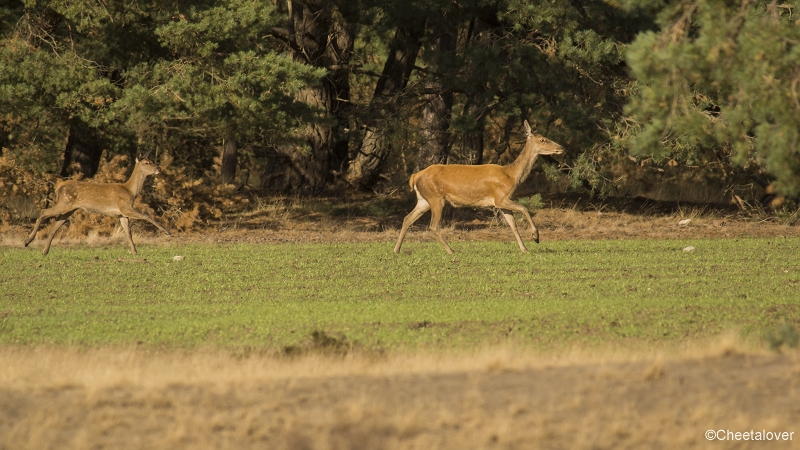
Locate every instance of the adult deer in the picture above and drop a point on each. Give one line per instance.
(110, 199)
(486, 185)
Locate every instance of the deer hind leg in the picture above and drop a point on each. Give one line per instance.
(60, 221)
(422, 207)
(46, 214)
(35, 229)
(509, 216)
(126, 225)
(436, 219)
(133, 214)
(514, 206)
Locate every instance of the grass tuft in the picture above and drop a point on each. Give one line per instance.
(320, 342)
(784, 335)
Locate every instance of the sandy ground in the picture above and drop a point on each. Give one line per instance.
(496, 398)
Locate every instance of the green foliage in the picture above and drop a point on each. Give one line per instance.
(40, 88)
(533, 203)
(718, 86)
(714, 83)
(161, 74)
(559, 64)
(362, 295)
(220, 76)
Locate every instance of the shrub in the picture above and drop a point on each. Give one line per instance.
(23, 192)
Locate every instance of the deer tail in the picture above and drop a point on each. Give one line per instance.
(412, 181)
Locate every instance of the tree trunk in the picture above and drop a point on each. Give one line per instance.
(229, 159)
(309, 163)
(367, 163)
(472, 144)
(505, 143)
(321, 34)
(476, 106)
(434, 132)
(82, 149)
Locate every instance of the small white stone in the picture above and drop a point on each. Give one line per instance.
(177, 258)
(688, 249)
(684, 222)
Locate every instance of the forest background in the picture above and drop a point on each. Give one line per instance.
(309, 98)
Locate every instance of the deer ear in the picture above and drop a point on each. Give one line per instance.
(528, 129)
(140, 156)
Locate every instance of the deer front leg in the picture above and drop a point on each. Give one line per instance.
(514, 206)
(133, 214)
(126, 226)
(436, 219)
(534, 230)
(509, 216)
(421, 208)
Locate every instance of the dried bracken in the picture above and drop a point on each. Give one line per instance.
(22, 191)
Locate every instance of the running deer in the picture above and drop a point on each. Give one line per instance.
(486, 185)
(110, 199)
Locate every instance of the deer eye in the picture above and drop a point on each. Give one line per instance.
(542, 140)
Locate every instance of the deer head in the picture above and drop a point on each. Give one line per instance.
(544, 146)
(146, 166)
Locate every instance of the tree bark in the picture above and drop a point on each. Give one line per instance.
(229, 159)
(320, 33)
(434, 130)
(81, 149)
(505, 143)
(367, 162)
(475, 105)
(472, 143)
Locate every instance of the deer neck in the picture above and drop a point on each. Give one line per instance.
(521, 167)
(136, 182)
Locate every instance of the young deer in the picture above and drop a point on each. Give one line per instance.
(486, 185)
(110, 199)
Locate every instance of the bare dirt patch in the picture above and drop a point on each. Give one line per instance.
(370, 220)
(499, 398)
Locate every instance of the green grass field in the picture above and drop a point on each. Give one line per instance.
(278, 298)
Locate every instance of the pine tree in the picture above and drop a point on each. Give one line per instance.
(316, 87)
(119, 75)
(718, 89)
(222, 80)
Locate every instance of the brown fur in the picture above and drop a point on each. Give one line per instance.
(487, 185)
(110, 199)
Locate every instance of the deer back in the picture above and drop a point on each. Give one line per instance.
(101, 198)
(461, 184)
